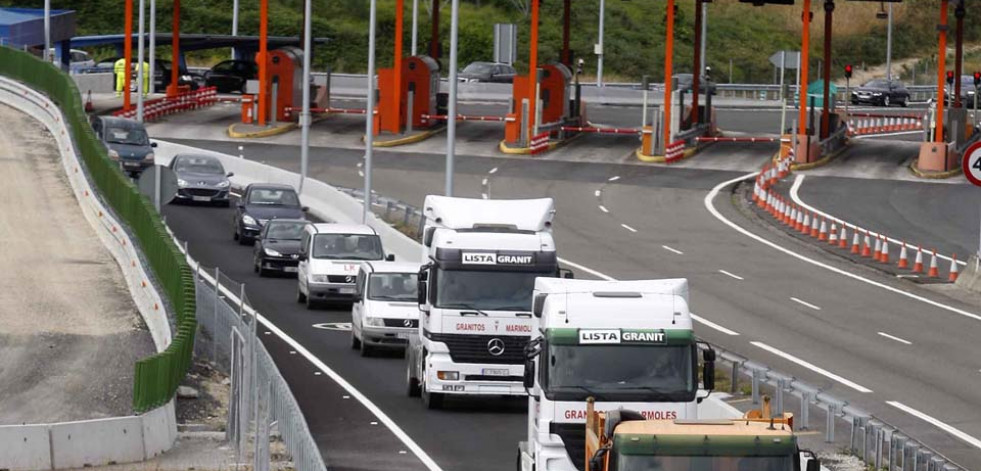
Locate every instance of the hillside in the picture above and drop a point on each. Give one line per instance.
(739, 34)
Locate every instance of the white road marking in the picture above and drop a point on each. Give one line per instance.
(669, 249)
(603, 208)
(711, 208)
(902, 133)
(598, 193)
(730, 275)
(343, 326)
(483, 195)
(713, 325)
(795, 195)
(805, 303)
(317, 373)
(614, 178)
(484, 182)
(628, 228)
(602, 276)
(493, 171)
(893, 337)
(812, 367)
(942, 426)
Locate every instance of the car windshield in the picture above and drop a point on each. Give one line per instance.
(199, 165)
(392, 287)
(285, 230)
(703, 463)
(478, 68)
(621, 372)
(485, 290)
(273, 197)
(347, 247)
(877, 84)
(131, 136)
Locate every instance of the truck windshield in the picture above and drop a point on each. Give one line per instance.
(703, 463)
(661, 373)
(485, 290)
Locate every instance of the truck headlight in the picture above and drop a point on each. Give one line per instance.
(272, 253)
(318, 278)
(448, 375)
(249, 220)
(374, 321)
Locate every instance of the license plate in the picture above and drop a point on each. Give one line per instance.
(346, 290)
(289, 269)
(402, 335)
(131, 164)
(200, 198)
(495, 372)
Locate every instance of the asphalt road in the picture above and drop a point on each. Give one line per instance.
(828, 329)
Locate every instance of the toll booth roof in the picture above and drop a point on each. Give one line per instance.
(25, 26)
(195, 42)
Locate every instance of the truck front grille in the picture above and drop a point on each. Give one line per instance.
(466, 348)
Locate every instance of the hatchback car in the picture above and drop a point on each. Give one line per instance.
(487, 72)
(231, 76)
(386, 310)
(330, 256)
(277, 249)
(201, 178)
(881, 92)
(261, 203)
(126, 142)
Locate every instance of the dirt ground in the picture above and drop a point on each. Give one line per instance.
(69, 331)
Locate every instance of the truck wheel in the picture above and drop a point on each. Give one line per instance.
(411, 384)
(365, 349)
(311, 304)
(355, 343)
(300, 297)
(433, 401)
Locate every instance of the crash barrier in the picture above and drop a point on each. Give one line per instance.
(262, 410)
(872, 440)
(736, 139)
(156, 378)
(847, 237)
(184, 101)
(674, 151)
(461, 117)
(597, 130)
(539, 143)
(883, 124)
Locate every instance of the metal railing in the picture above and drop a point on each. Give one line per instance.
(264, 423)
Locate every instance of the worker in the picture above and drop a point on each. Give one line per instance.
(146, 78)
(119, 68)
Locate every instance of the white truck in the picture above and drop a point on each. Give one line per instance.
(480, 262)
(626, 344)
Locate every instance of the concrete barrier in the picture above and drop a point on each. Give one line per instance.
(96, 83)
(25, 447)
(96, 442)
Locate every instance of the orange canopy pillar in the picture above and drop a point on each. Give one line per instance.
(533, 70)
(261, 59)
(805, 47)
(668, 62)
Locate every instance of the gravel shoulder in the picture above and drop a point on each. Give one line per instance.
(69, 330)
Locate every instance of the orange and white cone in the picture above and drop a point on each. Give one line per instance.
(786, 213)
(867, 246)
(878, 249)
(806, 226)
(918, 263)
(843, 240)
(884, 255)
(815, 229)
(823, 231)
(933, 272)
(903, 257)
(794, 218)
(953, 269)
(833, 236)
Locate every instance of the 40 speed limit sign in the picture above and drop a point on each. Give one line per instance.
(972, 163)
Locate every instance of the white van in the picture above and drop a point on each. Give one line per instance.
(386, 309)
(330, 256)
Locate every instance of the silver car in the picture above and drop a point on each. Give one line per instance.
(201, 178)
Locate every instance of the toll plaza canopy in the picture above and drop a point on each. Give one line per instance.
(24, 27)
(245, 46)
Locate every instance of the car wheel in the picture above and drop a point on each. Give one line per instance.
(411, 384)
(300, 297)
(355, 342)
(261, 271)
(886, 101)
(235, 235)
(311, 304)
(905, 102)
(432, 401)
(255, 264)
(366, 350)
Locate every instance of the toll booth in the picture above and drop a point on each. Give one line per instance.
(420, 75)
(285, 69)
(553, 91)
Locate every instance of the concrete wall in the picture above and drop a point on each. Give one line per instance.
(92, 442)
(96, 83)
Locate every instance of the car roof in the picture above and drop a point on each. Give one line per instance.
(299, 221)
(121, 122)
(334, 228)
(198, 156)
(392, 267)
(270, 186)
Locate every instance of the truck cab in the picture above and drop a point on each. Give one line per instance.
(481, 259)
(623, 344)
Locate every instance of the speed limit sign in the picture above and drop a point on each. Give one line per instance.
(972, 163)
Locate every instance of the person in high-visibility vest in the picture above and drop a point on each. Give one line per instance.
(119, 68)
(146, 78)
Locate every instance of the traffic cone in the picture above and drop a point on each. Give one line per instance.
(884, 256)
(867, 246)
(878, 249)
(786, 213)
(843, 240)
(793, 217)
(823, 231)
(933, 272)
(813, 232)
(903, 260)
(918, 263)
(804, 222)
(953, 269)
(833, 236)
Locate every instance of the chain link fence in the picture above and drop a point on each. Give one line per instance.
(265, 424)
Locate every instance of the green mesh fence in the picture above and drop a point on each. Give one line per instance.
(157, 376)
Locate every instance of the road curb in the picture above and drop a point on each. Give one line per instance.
(660, 159)
(820, 162)
(263, 133)
(527, 150)
(933, 175)
(401, 141)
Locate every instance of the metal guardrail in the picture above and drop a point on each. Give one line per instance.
(877, 443)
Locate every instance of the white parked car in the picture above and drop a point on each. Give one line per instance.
(386, 309)
(330, 256)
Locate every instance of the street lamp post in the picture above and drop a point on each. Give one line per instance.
(599, 46)
(305, 114)
(369, 135)
(451, 109)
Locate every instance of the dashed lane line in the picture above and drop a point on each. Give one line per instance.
(598, 193)
(628, 228)
(603, 208)
(731, 275)
(613, 178)
(713, 325)
(942, 426)
(669, 249)
(893, 337)
(805, 303)
(812, 367)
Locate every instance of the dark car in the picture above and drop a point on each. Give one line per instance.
(201, 178)
(161, 74)
(231, 75)
(685, 82)
(278, 246)
(126, 142)
(487, 72)
(967, 91)
(881, 92)
(260, 203)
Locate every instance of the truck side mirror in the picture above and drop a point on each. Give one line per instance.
(539, 304)
(566, 273)
(529, 378)
(708, 369)
(390, 258)
(814, 464)
(427, 239)
(421, 294)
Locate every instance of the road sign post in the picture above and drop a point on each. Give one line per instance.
(971, 163)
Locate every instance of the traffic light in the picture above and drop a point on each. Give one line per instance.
(977, 79)
(848, 71)
(950, 76)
